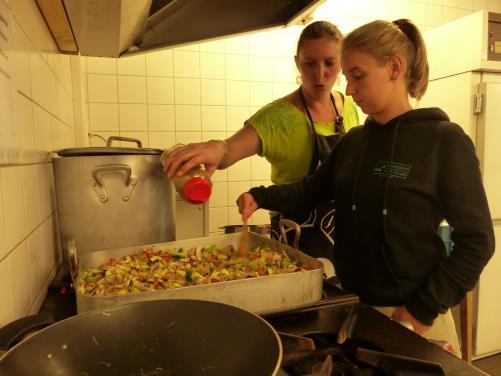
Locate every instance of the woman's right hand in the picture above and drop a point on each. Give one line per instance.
(246, 205)
(213, 154)
(183, 159)
(402, 314)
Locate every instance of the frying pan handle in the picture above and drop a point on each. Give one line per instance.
(282, 224)
(13, 332)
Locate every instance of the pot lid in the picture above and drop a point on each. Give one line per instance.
(103, 150)
(108, 149)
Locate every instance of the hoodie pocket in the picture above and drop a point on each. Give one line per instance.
(387, 269)
(363, 263)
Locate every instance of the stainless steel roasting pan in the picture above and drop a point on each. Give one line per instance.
(261, 295)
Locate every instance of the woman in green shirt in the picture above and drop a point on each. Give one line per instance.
(294, 133)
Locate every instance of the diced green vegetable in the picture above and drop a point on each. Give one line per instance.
(154, 269)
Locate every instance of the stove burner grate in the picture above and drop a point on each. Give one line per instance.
(327, 357)
(352, 358)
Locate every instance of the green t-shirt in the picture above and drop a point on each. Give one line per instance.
(286, 140)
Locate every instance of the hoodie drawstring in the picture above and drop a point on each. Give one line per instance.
(386, 179)
(359, 166)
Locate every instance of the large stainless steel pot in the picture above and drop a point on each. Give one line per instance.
(110, 197)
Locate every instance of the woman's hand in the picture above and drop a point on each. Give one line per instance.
(183, 159)
(246, 205)
(213, 154)
(402, 314)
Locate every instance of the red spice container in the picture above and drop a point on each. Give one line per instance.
(195, 186)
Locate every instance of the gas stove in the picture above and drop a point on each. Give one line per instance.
(322, 354)
(370, 344)
(342, 336)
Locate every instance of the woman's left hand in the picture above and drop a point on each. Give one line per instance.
(402, 314)
(246, 205)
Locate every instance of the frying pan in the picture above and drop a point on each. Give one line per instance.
(157, 337)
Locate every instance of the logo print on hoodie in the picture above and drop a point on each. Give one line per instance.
(391, 170)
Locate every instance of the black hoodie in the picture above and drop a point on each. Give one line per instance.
(393, 185)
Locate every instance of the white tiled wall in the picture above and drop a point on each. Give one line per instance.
(40, 118)
(206, 91)
(198, 92)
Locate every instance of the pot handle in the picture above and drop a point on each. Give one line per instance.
(120, 138)
(130, 181)
(111, 167)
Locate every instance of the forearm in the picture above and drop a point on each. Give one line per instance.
(451, 280)
(305, 194)
(283, 198)
(464, 206)
(242, 144)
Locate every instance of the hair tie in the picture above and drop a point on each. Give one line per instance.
(402, 26)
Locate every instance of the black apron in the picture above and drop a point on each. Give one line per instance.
(317, 226)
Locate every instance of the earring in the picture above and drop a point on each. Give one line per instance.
(298, 79)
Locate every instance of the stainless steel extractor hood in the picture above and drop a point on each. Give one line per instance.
(114, 28)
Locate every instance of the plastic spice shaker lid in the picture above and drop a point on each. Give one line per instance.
(197, 190)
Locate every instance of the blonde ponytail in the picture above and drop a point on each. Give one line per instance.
(384, 39)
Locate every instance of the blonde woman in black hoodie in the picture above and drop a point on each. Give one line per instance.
(394, 180)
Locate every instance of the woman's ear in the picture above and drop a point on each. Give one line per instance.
(397, 66)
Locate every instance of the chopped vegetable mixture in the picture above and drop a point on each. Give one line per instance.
(154, 269)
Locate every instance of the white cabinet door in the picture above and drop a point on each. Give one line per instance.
(191, 220)
(455, 96)
(489, 146)
(488, 328)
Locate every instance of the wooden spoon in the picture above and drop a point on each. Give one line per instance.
(244, 240)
